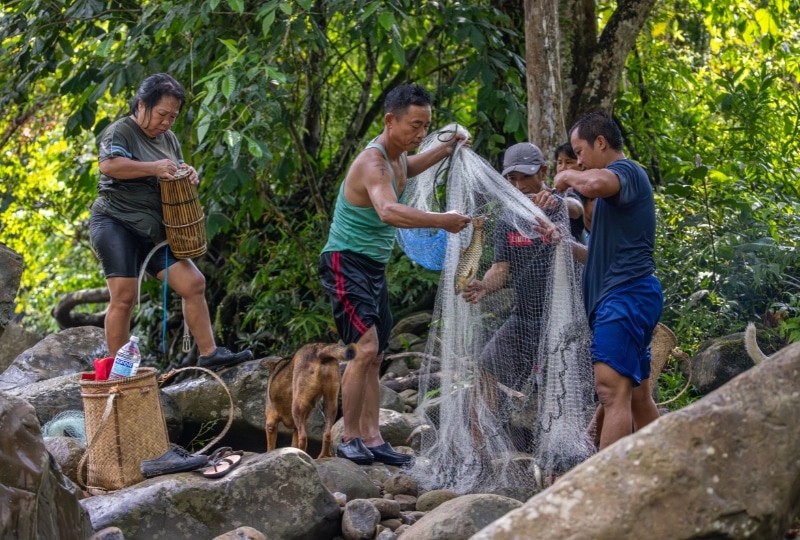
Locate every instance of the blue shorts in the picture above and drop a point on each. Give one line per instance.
(623, 328)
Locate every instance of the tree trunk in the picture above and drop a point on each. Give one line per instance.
(546, 125)
(63, 310)
(569, 71)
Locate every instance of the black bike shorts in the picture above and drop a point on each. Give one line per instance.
(122, 252)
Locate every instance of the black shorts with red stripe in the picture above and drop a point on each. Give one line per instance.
(356, 285)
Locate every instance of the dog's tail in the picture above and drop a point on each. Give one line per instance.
(338, 352)
(751, 345)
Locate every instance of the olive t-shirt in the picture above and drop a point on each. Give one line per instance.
(135, 202)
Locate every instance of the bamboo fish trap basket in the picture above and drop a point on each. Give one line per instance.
(183, 216)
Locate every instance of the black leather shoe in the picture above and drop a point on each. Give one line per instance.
(388, 456)
(355, 451)
(174, 460)
(223, 357)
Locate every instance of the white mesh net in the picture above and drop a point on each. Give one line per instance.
(66, 424)
(508, 385)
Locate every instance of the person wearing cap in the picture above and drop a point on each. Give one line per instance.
(622, 296)
(507, 357)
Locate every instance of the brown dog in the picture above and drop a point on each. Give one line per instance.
(295, 387)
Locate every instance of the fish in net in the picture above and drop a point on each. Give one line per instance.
(508, 385)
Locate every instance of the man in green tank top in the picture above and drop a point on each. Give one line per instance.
(353, 262)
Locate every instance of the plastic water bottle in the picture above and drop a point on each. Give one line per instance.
(126, 363)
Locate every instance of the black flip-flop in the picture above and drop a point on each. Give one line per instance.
(221, 462)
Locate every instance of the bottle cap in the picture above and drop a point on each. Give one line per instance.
(134, 339)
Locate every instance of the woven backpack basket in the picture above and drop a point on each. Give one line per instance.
(124, 426)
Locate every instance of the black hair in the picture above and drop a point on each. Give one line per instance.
(155, 87)
(400, 98)
(596, 124)
(565, 149)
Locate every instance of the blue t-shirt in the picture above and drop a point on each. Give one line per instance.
(623, 236)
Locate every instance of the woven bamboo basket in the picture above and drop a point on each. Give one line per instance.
(664, 342)
(183, 216)
(124, 426)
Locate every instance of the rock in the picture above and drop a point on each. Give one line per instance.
(726, 466)
(278, 493)
(109, 533)
(402, 484)
(36, 499)
(67, 352)
(387, 508)
(462, 517)
(407, 503)
(10, 276)
(15, 341)
(430, 500)
(51, 396)
(346, 477)
(416, 324)
(719, 360)
(359, 520)
(67, 452)
(386, 534)
(242, 533)
(202, 399)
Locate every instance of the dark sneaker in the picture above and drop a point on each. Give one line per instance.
(355, 451)
(174, 460)
(389, 456)
(223, 357)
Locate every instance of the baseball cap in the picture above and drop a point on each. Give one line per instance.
(523, 157)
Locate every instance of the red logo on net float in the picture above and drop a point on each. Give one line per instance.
(517, 239)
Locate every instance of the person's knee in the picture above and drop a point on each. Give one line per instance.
(611, 387)
(196, 286)
(122, 299)
(367, 350)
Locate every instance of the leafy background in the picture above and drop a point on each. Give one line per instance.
(281, 95)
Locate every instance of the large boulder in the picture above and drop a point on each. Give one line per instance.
(15, 341)
(460, 518)
(279, 494)
(36, 499)
(726, 466)
(69, 351)
(10, 276)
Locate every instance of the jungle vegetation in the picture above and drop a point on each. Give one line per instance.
(281, 95)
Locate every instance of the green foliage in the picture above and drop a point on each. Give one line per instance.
(282, 95)
(715, 121)
(672, 385)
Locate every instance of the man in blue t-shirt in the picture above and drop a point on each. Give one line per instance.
(623, 298)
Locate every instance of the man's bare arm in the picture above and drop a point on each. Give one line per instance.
(376, 178)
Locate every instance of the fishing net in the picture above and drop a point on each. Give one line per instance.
(66, 424)
(507, 387)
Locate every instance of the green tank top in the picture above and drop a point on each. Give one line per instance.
(360, 229)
